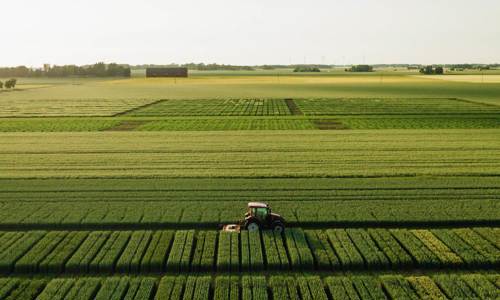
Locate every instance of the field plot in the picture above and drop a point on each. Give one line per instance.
(227, 124)
(387, 106)
(75, 107)
(82, 124)
(187, 214)
(256, 287)
(216, 107)
(145, 251)
(55, 124)
(445, 188)
(422, 122)
(109, 192)
(251, 154)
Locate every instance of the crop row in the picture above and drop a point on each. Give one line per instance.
(386, 106)
(447, 189)
(255, 287)
(215, 107)
(67, 107)
(296, 249)
(436, 122)
(171, 214)
(56, 124)
(227, 124)
(65, 124)
(256, 154)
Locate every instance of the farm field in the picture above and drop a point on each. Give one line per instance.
(429, 286)
(146, 251)
(115, 189)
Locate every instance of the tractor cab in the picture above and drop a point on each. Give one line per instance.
(259, 216)
(259, 210)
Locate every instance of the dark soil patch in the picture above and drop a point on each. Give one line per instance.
(328, 124)
(128, 125)
(292, 106)
(137, 108)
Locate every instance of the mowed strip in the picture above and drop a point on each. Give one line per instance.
(81, 252)
(251, 154)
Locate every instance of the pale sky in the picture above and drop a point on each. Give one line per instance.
(249, 32)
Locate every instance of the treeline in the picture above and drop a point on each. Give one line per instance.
(96, 70)
(461, 67)
(432, 70)
(306, 69)
(360, 68)
(198, 67)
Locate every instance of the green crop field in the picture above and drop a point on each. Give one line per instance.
(389, 183)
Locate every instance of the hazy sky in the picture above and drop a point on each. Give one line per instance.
(249, 32)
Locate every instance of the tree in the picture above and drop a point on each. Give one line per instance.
(306, 69)
(11, 83)
(1, 85)
(431, 70)
(360, 68)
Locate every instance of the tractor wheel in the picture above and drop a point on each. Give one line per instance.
(278, 227)
(253, 226)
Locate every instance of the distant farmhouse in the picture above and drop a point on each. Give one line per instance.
(166, 72)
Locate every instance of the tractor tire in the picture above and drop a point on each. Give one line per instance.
(253, 226)
(278, 227)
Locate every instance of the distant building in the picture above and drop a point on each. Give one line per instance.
(166, 72)
(46, 68)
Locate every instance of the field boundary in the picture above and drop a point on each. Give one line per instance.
(136, 108)
(127, 125)
(217, 225)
